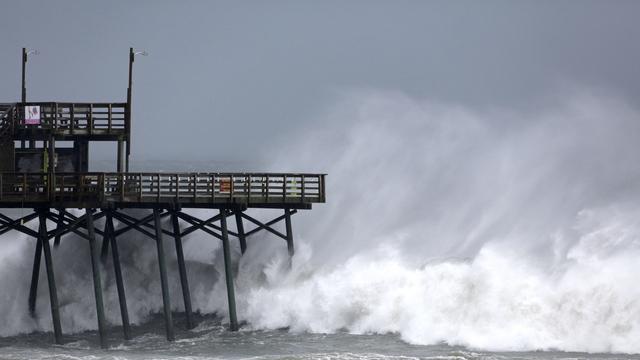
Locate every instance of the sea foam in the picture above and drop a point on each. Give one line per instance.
(498, 229)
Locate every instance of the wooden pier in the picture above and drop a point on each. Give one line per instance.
(36, 173)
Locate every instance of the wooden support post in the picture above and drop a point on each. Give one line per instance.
(120, 160)
(82, 148)
(53, 292)
(287, 219)
(106, 239)
(241, 235)
(51, 184)
(186, 295)
(35, 275)
(52, 155)
(110, 236)
(231, 296)
(59, 226)
(97, 284)
(163, 277)
(128, 156)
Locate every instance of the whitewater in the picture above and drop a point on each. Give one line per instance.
(487, 229)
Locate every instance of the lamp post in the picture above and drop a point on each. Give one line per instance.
(132, 58)
(25, 56)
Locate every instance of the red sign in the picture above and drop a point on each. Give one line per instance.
(225, 185)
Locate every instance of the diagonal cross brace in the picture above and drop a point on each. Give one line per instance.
(133, 225)
(72, 225)
(10, 225)
(266, 226)
(198, 224)
(14, 224)
(146, 223)
(208, 223)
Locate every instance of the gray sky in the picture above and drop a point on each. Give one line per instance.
(225, 80)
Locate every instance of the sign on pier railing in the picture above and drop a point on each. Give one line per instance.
(195, 188)
(32, 115)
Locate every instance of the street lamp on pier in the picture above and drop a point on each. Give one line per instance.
(132, 58)
(25, 56)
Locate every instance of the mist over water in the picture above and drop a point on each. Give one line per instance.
(495, 229)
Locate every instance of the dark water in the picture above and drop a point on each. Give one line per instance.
(211, 340)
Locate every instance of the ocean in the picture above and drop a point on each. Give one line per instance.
(211, 340)
(448, 233)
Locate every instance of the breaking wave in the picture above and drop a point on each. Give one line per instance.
(488, 228)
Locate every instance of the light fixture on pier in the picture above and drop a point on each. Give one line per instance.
(132, 58)
(25, 56)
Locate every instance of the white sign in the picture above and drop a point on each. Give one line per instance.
(32, 115)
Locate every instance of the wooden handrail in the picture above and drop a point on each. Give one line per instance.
(164, 187)
(92, 117)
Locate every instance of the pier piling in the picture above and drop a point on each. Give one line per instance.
(163, 276)
(287, 220)
(97, 283)
(111, 237)
(231, 296)
(35, 275)
(53, 292)
(59, 226)
(241, 235)
(104, 251)
(186, 295)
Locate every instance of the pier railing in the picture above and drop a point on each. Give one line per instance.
(144, 188)
(72, 118)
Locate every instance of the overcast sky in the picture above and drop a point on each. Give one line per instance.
(225, 80)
